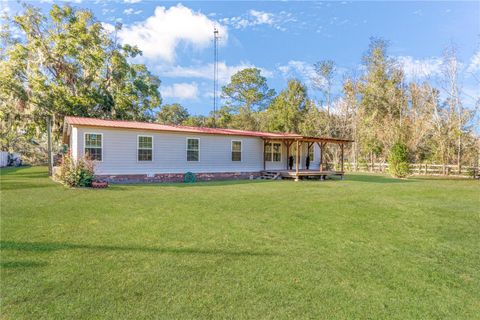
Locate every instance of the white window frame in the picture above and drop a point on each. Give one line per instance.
(271, 151)
(241, 150)
(264, 151)
(186, 149)
(138, 145)
(85, 143)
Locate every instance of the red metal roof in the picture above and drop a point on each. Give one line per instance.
(95, 122)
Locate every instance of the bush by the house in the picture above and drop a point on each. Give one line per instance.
(398, 163)
(76, 173)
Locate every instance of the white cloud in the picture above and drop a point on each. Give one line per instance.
(471, 96)
(256, 18)
(71, 1)
(108, 26)
(420, 68)
(225, 71)
(182, 91)
(474, 65)
(108, 11)
(130, 11)
(131, 1)
(418, 12)
(159, 35)
(262, 17)
(4, 8)
(298, 69)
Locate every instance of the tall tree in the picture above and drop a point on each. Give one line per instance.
(457, 117)
(68, 64)
(351, 115)
(423, 100)
(323, 80)
(173, 113)
(382, 100)
(288, 109)
(246, 94)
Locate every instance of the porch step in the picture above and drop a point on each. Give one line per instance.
(270, 175)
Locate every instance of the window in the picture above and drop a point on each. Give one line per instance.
(268, 152)
(273, 152)
(93, 146)
(311, 153)
(145, 148)
(236, 150)
(277, 152)
(193, 147)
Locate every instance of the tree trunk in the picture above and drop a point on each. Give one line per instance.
(372, 162)
(49, 138)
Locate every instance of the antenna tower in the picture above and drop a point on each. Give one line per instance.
(215, 73)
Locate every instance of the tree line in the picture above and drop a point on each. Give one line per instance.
(377, 108)
(67, 63)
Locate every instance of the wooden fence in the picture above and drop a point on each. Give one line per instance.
(416, 168)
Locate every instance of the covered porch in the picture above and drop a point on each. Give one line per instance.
(293, 166)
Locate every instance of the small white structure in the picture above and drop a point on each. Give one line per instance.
(129, 151)
(3, 159)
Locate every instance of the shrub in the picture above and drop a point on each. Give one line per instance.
(398, 161)
(78, 173)
(472, 172)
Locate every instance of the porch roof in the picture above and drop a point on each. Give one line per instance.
(122, 124)
(309, 139)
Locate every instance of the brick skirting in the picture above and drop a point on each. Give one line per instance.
(175, 177)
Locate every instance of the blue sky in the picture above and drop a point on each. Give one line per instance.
(284, 39)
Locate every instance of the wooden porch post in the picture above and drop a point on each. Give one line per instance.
(297, 159)
(321, 145)
(288, 144)
(341, 167)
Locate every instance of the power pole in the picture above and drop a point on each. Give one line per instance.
(215, 73)
(49, 137)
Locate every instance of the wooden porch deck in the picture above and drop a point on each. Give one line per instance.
(293, 174)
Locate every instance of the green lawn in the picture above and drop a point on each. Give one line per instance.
(366, 247)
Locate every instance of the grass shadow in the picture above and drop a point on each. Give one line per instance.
(21, 264)
(5, 171)
(374, 179)
(122, 186)
(56, 246)
(441, 178)
(17, 185)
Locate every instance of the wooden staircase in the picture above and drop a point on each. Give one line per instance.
(270, 175)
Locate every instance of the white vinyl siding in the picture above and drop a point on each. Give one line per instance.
(74, 143)
(169, 152)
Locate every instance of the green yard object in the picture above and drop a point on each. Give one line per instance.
(189, 177)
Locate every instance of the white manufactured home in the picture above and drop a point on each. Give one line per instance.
(130, 151)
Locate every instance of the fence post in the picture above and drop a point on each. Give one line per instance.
(49, 139)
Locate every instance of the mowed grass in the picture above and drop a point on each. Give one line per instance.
(366, 247)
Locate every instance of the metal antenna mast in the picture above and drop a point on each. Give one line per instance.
(215, 73)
